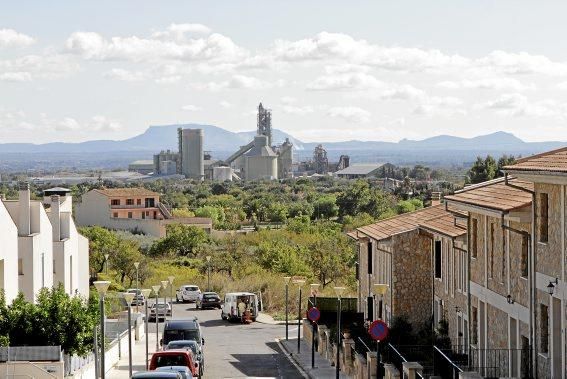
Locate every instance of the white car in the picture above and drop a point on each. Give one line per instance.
(188, 292)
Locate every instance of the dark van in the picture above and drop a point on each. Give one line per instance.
(176, 330)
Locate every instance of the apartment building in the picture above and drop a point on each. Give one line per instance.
(547, 172)
(133, 209)
(448, 272)
(8, 255)
(499, 224)
(396, 253)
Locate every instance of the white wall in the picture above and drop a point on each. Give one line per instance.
(8, 255)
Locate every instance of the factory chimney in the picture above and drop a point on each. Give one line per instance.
(192, 165)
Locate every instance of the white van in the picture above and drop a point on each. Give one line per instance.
(230, 306)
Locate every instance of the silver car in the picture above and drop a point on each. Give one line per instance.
(188, 293)
(163, 310)
(183, 370)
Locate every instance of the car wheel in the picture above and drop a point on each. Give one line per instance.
(223, 316)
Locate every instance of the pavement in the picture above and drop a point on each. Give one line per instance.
(323, 368)
(231, 350)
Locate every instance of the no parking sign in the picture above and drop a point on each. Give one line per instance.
(313, 314)
(378, 330)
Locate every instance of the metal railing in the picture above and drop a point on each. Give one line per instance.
(444, 366)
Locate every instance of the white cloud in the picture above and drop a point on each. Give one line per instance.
(239, 82)
(126, 75)
(39, 66)
(403, 92)
(11, 38)
(179, 32)
(225, 104)
(518, 105)
(351, 114)
(191, 107)
(19, 76)
(297, 110)
(501, 83)
(352, 81)
(522, 63)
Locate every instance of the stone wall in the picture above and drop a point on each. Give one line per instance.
(549, 253)
(497, 328)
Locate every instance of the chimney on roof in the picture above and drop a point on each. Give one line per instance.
(24, 227)
(55, 217)
(435, 198)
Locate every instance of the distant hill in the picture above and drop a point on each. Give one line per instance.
(441, 150)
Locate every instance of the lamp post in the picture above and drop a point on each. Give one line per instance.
(339, 291)
(209, 273)
(164, 284)
(106, 256)
(286, 279)
(102, 287)
(129, 296)
(379, 289)
(300, 283)
(156, 292)
(314, 289)
(170, 280)
(146, 292)
(137, 265)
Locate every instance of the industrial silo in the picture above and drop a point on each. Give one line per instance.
(192, 154)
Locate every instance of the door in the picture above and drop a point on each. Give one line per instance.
(556, 360)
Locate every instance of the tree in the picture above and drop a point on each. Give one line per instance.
(122, 261)
(325, 207)
(101, 241)
(505, 160)
(329, 258)
(216, 214)
(482, 170)
(354, 198)
(180, 240)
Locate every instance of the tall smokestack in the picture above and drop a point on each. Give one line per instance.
(24, 202)
(56, 217)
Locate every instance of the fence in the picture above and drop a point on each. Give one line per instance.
(30, 353)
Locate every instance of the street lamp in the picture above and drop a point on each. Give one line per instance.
(314, 289)
(137, 265)
(106, 263)
(102, 287)
(209, 273)
(164, 284)
(300, 283)
(170, 280)
(339, 291)
(286, 279)
(129, 296)
(146, 293)
(156, 292)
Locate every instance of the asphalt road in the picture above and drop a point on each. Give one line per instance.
(238, 351)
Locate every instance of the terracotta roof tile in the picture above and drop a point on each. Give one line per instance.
(495, 195)
(551, 161)
(444, 225)
(111, 192)
(405, 222)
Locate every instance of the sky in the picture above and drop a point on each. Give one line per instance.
(330, 70)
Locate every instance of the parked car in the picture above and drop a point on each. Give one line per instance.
(163, 310)
(195, 348)
(208, 300)
(157, 375)
(174, 358)
(139, 298)
(230, 306)
(187, 293)
(183, 370)
(188, 329)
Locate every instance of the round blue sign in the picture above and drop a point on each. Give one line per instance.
(313, 314)
(378, 330)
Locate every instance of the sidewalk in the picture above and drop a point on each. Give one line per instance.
(323, 368)
(264, 318)
(120, 371)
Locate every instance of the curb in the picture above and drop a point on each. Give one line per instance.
(292, 359)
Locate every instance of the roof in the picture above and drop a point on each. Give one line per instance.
(142, 162)
(495, 195)
(444, 225)
(136, 191)
(551, 161)
(405, 222)
(360, 169)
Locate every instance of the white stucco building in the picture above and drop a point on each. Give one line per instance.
(8, 255)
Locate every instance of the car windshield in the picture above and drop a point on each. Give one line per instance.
(190, 288)
(183, 345)
(211, 295)
(137, 292)
(176, 335)
(160, 305)
(171, 360)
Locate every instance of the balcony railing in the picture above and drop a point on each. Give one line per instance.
(131, 206)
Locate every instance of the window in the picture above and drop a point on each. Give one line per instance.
(138, 201)
(543, 216)
(370, 309)
(369, 259)
(54, 266)
(129, 214)
(437, 259)
(474, 326)
(474, 237)
(115, 215)
(20, 267)
(544, 329)
(524, 261)
(129, 201)
(491, 262)
(115, 202)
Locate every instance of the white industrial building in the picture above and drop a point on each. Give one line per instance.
(41, 248)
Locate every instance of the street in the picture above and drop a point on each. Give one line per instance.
(238, 351)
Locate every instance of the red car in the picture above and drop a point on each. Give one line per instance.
(175, 358)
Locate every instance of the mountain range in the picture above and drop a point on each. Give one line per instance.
(441, 150)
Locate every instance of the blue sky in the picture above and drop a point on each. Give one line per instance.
(330, 70)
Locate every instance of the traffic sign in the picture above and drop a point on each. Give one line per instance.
(313, 314)
(378, 330)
